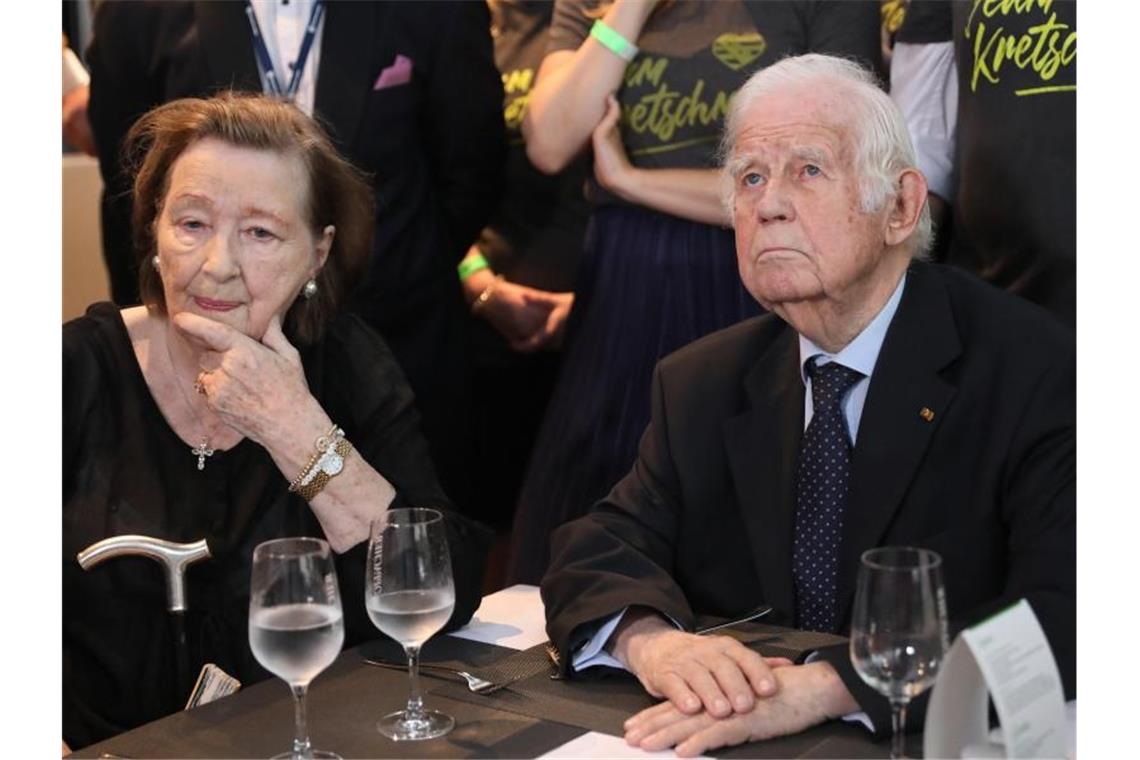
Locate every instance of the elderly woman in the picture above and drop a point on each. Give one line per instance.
(198, 415)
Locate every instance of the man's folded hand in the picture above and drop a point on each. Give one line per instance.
(715, 673)
(805, 695)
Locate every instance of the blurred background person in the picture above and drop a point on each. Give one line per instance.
(410, 95)
(659, 267)
(195, 415)
(518, 279)
(996, 136)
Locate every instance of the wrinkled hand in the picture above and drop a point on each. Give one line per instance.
(76, 128)
(717, 673)
(807, 695)
(611, 164)
(256, 388)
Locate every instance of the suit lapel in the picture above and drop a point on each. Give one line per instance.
(227, 44)
(348, 67)
(905, 404)
(762, 444)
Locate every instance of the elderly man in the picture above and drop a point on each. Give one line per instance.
(884, 401)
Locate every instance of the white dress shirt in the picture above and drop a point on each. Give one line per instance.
(283, 25)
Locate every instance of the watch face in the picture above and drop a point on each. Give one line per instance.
(332, 463)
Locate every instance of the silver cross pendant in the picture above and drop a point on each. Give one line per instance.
(202, 451)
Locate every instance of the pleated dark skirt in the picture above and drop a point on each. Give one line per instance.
(649, 284)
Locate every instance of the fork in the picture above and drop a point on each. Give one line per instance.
(474, 683)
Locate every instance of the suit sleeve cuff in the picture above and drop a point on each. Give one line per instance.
(875, 712)
(593, 651)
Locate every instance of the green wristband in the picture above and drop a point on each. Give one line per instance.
(613, 41)
(472, 264)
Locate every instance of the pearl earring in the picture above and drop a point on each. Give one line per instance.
(155, 261)
(310, 289)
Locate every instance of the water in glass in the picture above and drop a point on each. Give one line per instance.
(411, 617)
(296, 623)
(410, 595)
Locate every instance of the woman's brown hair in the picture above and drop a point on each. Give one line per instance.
(338, 193)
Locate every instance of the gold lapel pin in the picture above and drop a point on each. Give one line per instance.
(926, 414)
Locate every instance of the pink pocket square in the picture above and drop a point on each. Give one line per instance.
(400, 72)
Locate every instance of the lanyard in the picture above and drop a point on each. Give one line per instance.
(265, 63)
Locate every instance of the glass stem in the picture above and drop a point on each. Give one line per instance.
(898, 728)
(302, 749)
(415, 708)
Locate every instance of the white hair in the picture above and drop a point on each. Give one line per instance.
(881, 141)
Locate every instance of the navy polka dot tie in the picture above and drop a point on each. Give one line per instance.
(822, 475)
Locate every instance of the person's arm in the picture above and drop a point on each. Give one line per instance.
(259, 390)
(464, 119)
(528, 318)
(924, 85)
(569, 96)
(695, 194)
(76, 93)
(628, 539)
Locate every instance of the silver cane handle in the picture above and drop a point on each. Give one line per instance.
(174, 558)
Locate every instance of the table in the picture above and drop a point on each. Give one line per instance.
(346, 700)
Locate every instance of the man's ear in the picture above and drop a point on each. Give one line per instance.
(906, 209)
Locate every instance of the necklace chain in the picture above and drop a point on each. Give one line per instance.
(202, 450)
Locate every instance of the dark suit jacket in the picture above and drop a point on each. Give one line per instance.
(703, 523)
(434, 147)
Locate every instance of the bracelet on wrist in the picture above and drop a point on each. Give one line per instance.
(612, 40)
(472, 264)
(480, 302)
(326, 463)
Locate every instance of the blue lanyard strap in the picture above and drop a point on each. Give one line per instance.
(265, 62)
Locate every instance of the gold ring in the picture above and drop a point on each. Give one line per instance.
(198, 387)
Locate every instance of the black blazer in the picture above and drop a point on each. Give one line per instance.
(703, 523)
(435, 147)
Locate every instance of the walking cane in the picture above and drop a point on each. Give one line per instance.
(174, 558)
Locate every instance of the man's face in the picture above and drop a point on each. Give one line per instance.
(801, 236)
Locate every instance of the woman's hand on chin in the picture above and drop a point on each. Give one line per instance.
(257, 388)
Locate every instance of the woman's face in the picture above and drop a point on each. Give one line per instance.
(232, 237)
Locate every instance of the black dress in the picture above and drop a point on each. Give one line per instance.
(125, 471)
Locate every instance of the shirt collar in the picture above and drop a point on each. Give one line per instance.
(861, 353)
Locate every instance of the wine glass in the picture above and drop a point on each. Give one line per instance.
(898, 627)
(410, 594)
(296, 626)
